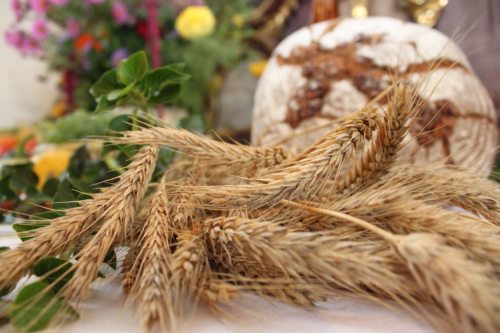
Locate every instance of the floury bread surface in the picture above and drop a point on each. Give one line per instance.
(334, 68)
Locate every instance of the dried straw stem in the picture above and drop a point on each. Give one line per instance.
(116, 225)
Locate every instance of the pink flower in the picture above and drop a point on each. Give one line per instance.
(22, 42)
(31, 46)
(14, 38)
(120, 13)
(40, 29)
(73, 27)
(58, 2)
(17, 8)
(39, 6)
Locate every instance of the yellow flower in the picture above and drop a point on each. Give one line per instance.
(195, 22)
(58, 109)
(51, 164)
(258, 67)
(238, 21)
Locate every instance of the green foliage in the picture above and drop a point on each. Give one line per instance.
(54, 271)
(134, 84)
(75, 126)
(36, 306)
(134, 68)
(65, 195)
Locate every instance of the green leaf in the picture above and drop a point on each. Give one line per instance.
(50, 187)
(65, 197)
(103, 104)
(78, 162)
(47, 215)
(176, 66)
(22, 177)
(120, 123)
(36, 306)
(54, 271)
(163, 76)
(5, 190)
(194, 122)
(119, 93)
(165, 95)
(24, 230)
(133, 68)
(106, 84)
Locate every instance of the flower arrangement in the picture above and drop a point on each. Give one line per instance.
(81, 39)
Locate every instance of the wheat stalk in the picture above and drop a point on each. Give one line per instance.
(117, 221)
(307, 258)
(393, 208)
(152, 264)
(62, 232)
(299, 178)
(208, 150)
(460, 286)
(439, 184)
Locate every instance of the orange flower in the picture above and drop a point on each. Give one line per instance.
(87, 41)
(84, 42)
(258, 67)
(7, 143)
(58, 109)
(51, 164)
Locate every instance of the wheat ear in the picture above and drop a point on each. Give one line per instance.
(118, 218)
(440, 184)
(301, 177)
(190, 274)
(460, 286)
(317, 259)
(152, 264)
(382, 151)
(393, 208)
(208, 150)
(62, 232)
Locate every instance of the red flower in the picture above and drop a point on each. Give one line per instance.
(142, 29)
(6, 205)
(30, 146)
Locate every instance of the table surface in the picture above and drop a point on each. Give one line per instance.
(107, 312)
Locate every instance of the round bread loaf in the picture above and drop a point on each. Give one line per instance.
(333, 68)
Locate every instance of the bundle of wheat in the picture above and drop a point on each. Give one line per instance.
(340, 219)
